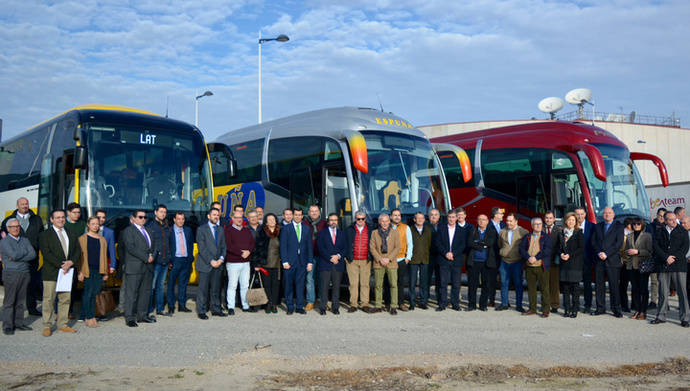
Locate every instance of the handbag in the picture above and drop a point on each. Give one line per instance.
(646, 265)
(256, 296)
(105, 303)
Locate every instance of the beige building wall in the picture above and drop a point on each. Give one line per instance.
(671, 144)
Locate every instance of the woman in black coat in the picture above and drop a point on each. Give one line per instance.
(571, 251)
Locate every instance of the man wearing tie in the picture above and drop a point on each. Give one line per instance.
(332, 247)
(212, 248)
(451, 244)
(296, 252)
(607, 240)
(139, 249)
(181, 244)
(587, 227)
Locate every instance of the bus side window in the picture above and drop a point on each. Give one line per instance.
(289, 161)
(248, 157)
(452, 169)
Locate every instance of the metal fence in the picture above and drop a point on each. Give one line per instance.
(632, 118)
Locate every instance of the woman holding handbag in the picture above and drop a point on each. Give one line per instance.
(571, 251)
(267, 254)
(93, 268)
(638, 247)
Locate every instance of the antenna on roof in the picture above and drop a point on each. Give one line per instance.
(379, 98)
(551, 105)
(167, 103)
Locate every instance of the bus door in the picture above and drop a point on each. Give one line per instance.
(336, 193)
(531, 195)
(301, 188)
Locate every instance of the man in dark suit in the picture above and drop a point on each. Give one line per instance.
(140, 246)
(587, 227)
(212, 248)
(496, 223)
(553, 232)
(481, 261)
(60, 252)
(31, 226)
(296, 252)
(450, 244)
(181, 244)
(607, 240)
(332, 246)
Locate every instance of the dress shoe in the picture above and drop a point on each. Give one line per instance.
(492, 304)
(635, 315)
(161, 313)
(301, 311)
(529, 313)
(8, 331)
(171, 310)
(598, 312)
(657, 321)
(482, 308)
(393, 311)
(424, 306)
(322, 312)
(290, 312)
(642, 316)
(203, 316)
(47, 332)
(374, 310)
(67, 329)
(440, 308)
(132, 323)
(220, 314)
(250, 309)
(267, 310)
(471, 308)
(520, 310)
(566, 314)
(309, 307)
(23, 328)
(625, 309)
(403, 308)
(685, 324)
(573, 314)
(586, 309)
(545, 314)
(183, 309)
(148, 319)
(351, 310)
(411, 308)
(652, 305)
(501, 307)
(231, 312)
(35, 312)
(554, 310)
(618, 314)
(336, 311)
(456, 307)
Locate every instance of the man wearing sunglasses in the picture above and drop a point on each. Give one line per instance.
(358, 264)
(140, 246)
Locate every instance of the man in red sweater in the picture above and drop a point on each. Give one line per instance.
(240, 245)
(358, 262)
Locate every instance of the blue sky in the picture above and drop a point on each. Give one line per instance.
(431, 61)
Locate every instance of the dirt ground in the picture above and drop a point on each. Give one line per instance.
(263, 370)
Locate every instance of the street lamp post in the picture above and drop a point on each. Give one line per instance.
(280, 38)
(196, 106)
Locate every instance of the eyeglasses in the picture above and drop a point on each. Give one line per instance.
(12, 226)
(141, 217)
(361, 218)
(637, 223)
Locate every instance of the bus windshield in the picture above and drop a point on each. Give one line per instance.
(132, 167)
(623, 189)
(402, 174)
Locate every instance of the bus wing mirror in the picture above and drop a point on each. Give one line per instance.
(358, 150)
(594, 156)
(227, 157)
(80, 157)
(634, 156)
(460, 154)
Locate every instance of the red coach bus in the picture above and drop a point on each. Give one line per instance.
(531, 168)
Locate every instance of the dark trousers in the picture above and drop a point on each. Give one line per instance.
(209, 290)
(403, 268)
(434, 277)
(419, 273)
(326, 278)
(613, 273)
(295, 278)
(179, 275)
(272, 286)
(587, 280)
(640, 291)
(571, 296)
(34, 292)
(450, 273)
(627, 277)
(488, 279)
(554, 286)
(224, 286)
(92, 287)
(16, 284)
(137, 293)
(537, 277)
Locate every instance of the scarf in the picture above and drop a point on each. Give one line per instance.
(384, 239)
(567, 232)
(274, 233)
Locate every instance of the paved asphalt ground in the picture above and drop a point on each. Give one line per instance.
(184, 340)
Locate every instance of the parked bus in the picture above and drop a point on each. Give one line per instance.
(107, 157)
(342, 159)
(558, 166)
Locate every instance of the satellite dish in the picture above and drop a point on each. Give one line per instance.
(550, 105)
(579, 96)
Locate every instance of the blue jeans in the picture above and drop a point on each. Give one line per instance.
(92, 287)
(180, 273)
(158, 291)
(419, 272)
(511, 272)
(311, 289)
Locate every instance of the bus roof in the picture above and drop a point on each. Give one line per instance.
(536, 135)
(329, 122)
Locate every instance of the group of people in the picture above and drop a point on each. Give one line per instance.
(293, 255)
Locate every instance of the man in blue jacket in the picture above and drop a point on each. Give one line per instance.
(181, 243)
(535, 250)
(296, 252)
(333, 248)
